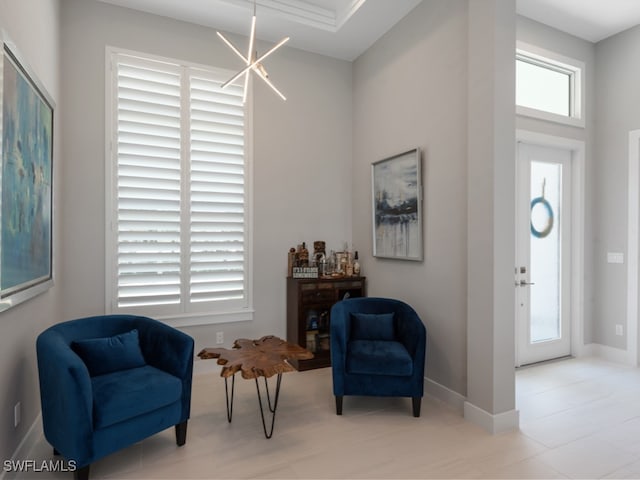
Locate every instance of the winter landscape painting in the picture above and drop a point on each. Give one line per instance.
(397, 209)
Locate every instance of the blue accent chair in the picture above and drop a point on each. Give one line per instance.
(109, 381)
(378, 348)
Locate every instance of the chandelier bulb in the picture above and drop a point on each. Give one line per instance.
(262, 70)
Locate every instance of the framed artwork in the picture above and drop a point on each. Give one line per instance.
(26, 185)
(397, 206)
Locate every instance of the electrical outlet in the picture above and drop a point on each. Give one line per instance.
(615, 257)
(219, 338)
(16, 414)
(619, 329)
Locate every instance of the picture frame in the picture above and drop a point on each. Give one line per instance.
(396, 184)
(26, 185)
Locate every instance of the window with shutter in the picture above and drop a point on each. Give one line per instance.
(178, 245)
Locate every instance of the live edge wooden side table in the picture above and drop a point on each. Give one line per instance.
(265, 357)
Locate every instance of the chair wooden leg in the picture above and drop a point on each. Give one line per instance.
(417, 401)
(181, 433)
(81, 473)
(339, 404)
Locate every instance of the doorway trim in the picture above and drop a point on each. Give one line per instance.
(633, 238)
(577, 148)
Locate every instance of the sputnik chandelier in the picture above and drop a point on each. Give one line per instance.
(252, 61)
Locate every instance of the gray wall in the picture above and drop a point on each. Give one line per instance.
(301, 168)
(617, 112)
(33, 25)
(420, 86)
(311, 171)
(410, 90)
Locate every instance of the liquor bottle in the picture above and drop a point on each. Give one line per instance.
(356, 265)
(304, 255)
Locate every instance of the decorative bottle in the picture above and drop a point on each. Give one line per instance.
(348, 268)
(356, 265)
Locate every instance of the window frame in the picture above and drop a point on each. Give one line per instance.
(575, 69)
(174, 316)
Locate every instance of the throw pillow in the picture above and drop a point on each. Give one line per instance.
(110, 354)
(372, 326)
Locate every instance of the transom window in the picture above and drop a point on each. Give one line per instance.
(549, 87)
(178, 245)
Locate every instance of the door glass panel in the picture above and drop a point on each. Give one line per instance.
(545, 258)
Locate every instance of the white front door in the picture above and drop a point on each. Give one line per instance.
(543, 270)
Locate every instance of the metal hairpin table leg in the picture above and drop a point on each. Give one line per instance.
(257, 358)
(226, 391)
(272, 408)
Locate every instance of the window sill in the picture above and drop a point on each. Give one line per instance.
(211, 318)
(550, 117)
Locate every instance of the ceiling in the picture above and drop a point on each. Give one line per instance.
(346, 28)
(591, 20)
(336, 28)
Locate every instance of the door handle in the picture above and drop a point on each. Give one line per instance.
(524, 283)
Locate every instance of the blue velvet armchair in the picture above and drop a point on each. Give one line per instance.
(107, 382)
(378, 348)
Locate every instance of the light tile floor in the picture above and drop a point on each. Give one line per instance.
(578, 419)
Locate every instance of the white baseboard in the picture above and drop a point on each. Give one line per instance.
(492, 423)
(26, 446)
(611, 354)
(444, 394)
(498, 423)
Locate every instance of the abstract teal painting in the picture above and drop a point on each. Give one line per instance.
(26, 183)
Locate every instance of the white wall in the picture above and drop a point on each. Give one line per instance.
(33, 26)
(542, 36)
(302, 170)
(548, 38)
(617, 110)
(612, 100)
(491, 215)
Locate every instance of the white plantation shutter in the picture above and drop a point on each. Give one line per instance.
(148, 184)
(178, 199)
(217, 192)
